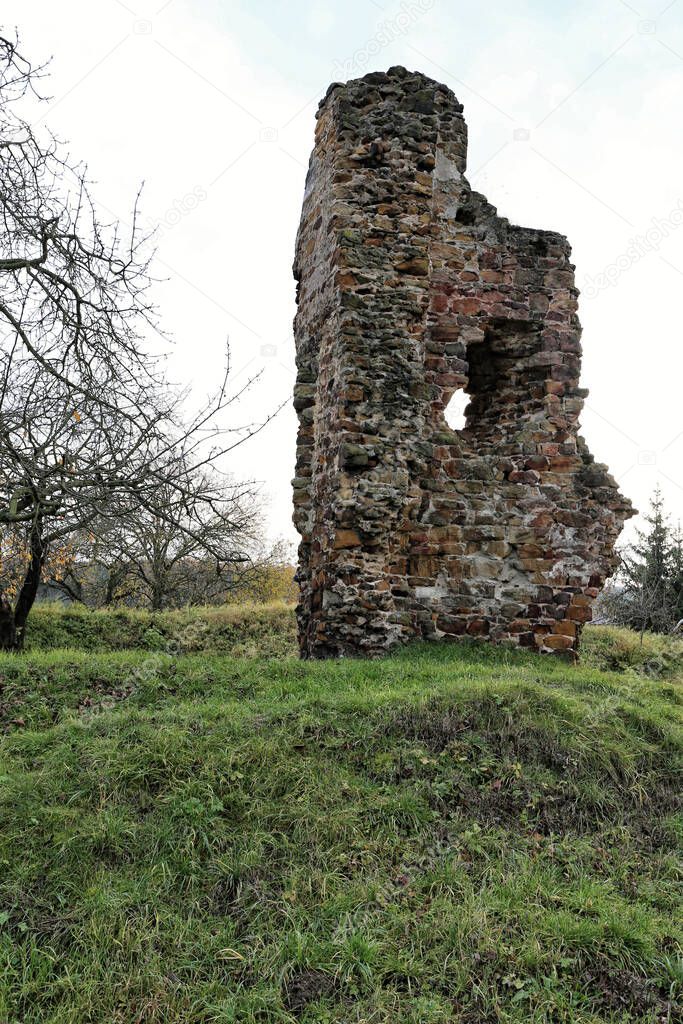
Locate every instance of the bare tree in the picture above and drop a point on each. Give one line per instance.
(184, 550)
(68, 464)
(89, 429)
(183, 545)
(95, 571)
(73, 290)
(153, 563)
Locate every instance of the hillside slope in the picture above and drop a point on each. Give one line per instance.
(452, 834)
(269, 630)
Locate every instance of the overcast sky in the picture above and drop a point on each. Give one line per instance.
(574, 114)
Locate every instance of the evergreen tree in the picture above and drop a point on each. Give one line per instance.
(676, 575)
(649, 590)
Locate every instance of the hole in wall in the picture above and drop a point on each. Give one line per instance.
(455, 410)
(504, 386)
(502, 379)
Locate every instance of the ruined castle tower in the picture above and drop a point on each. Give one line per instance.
(411, 287)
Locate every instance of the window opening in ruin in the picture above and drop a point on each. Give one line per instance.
(455, 410)
(503, 382)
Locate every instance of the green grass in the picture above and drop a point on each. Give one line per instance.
(649, 654)
(453, 834)
(269, 630)
(245, 630)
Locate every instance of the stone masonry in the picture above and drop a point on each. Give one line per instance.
(410, 287)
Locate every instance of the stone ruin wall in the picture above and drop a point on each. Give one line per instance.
(410, 287)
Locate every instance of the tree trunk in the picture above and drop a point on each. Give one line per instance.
(109, 592)
(159, 583)
(29, 589)
(8, 631)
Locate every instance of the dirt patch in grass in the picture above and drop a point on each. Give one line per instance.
(105, 696)
(476, 760)
(619, 991)
(305, 987)
(437, 725)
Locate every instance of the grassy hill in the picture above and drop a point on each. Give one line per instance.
(269, 630)
(451, 834)
(263, 630)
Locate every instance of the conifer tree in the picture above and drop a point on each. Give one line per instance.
(648, 594)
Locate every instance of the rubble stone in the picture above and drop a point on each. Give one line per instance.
(410, 288)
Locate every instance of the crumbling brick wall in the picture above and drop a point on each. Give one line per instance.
(410, 287)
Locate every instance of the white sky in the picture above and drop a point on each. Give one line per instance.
(574, 113)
